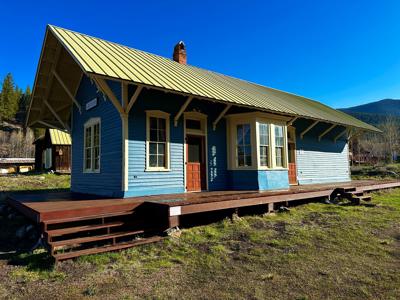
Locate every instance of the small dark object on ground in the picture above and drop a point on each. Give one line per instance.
(284, 209)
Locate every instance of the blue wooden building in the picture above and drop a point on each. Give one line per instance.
(142, 124)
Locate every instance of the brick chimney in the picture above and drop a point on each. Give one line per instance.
(180, 53)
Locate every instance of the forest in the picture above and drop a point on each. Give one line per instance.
(15, 140)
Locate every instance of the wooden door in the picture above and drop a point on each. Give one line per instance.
(292, 163)
(195, 164)
(62, 158)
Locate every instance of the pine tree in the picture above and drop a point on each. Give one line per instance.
(9, 98)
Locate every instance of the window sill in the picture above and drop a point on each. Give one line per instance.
(91, 171)
(157, 170)
(273, 169)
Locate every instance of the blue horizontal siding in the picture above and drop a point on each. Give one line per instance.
(273, 179)
(108, 181)
(321, 161)
(140, 181)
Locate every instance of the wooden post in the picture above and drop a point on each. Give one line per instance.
(173, 221)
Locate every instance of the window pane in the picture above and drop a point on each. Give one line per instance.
(248, 160)
(88, 154)
(88, 137)
(160, 161)
(152, 148)
(279, 136)
(161, 135)
(241, 161)
(153, 123)
(96, 138)
(264, 134)
(161, 123)
(279, 156)
(152, 160)
(240, 134)
(240, 150)
(161, 149)
(246, 132)
(153, 135)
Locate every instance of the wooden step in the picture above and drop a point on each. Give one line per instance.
(125, 245)
(357, 193)
(347, 189)
(70, 230)
(364, 198)
(92, 217)
(94, 238)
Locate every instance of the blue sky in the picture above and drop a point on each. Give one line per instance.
(342, 53)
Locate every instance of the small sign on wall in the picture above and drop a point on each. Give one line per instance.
(91, 104)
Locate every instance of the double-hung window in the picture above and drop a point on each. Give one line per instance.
(279, 146)
(157, 141)
(263, 131)
(92, 146)
(243, 145)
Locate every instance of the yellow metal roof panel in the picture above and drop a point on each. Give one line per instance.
(100, 57)
(59, 137)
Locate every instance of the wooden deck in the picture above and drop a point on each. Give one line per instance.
(41, 207)
(70, 219)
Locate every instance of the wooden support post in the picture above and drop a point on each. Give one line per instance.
(173, 221)
(270, 207)
(221, 115)
(181, 111)
(308, 129)
(325, 132)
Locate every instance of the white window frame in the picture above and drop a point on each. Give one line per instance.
(161, 115)
(254, 119)
(91, 123)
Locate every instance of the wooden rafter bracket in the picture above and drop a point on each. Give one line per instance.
(290, 123)
(325, 132)
(308, 129)
(106, 90)
(70, 95)
(341, 134)
(57, 116)
(181, 111)
(221, 115)
(134, 98)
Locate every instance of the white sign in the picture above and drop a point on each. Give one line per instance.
(92, 103)
(174, 211)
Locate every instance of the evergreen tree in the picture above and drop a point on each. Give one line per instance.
(9, 98)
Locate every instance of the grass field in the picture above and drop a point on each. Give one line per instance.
(315, 251)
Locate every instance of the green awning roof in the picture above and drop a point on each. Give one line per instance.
(100, 57)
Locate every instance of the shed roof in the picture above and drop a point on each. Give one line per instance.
(59, 137)
(99, 57)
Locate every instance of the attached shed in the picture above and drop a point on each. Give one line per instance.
(53, 151)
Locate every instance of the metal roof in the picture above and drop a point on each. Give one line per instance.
(59, 137)
(100, 57)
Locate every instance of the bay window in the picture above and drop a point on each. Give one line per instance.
(257, 141)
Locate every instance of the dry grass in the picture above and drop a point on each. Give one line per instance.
(315, 251)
